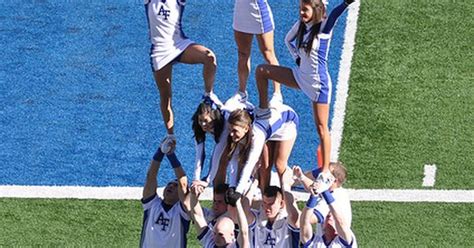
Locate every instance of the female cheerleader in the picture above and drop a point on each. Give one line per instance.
(311, 34)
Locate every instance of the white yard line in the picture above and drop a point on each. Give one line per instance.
(343, 80)
(430, 175)
(134, 193)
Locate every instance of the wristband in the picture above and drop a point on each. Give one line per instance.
(158, 155)
(173, 160)
(312, 201)
(328, 197)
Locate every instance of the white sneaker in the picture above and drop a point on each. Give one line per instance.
(277, 100)
(324, 182)
(212, 98)
(168, 145)
(262, 114)
(240, 96)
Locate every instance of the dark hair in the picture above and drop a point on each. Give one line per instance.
(272, 191)
(221, 188)
(239, 117)
(308, 45)
(217, 120)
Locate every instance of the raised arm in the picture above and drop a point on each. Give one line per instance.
(306, 228)
(342, 227)
(290, 203)
(151, 182)
(180, 175)
(290, 38)
(334, 15)
(196, 214)
(244, 238)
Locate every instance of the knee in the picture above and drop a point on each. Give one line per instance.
(210, 59)
(261, 71)
(244, 54)
(269, 55)
(323, 130)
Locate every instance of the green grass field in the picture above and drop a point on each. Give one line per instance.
(99, 223)
(411, 95)
(410, 103)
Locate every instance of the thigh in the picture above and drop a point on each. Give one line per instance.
(281, 74)
(282, 150)
(195, 54)
(243, 41)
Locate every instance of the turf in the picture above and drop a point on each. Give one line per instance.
(66, 222)
(411, 95)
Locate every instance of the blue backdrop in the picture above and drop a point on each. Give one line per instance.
(78, 104)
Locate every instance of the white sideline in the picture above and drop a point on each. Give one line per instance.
(134, 193)
(343, 79)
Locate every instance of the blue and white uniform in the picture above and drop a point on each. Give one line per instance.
(318, 241)
(253, 17)
(276, 235)
(229, 106)
(282, 125)
(166, 34)
(161, 227)
(312, 74)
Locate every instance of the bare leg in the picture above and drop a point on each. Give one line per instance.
(321, 117)
(163, 82)
(265, 169)
(244, 46)
(265, 43)
(281, 155)
(277, 73)
(198, 54)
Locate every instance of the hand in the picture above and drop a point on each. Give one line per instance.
(297, 173)
(168, 145)
(323, 182)
(298, 61)
(232, 196)
(198, 186)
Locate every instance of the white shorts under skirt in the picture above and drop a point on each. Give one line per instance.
(312, 88)
(253, 17)
(287, 131)
(160, 58)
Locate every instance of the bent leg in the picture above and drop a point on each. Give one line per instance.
(266, 45)
(163, 82)
(321, 117)
(198, 54)
(244, 46)
(281, 74)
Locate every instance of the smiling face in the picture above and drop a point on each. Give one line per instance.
(237, 132)
(206, 122)
(312, 10)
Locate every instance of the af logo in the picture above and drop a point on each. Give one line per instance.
(164, 12)
(164, 222)
(270, 241)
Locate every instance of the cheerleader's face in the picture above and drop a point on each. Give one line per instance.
(237, 132)
(309, 13)
(206, 122)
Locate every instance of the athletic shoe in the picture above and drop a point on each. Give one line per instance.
(323, 182)
(240, 97)
(262, 114)
(168, 144)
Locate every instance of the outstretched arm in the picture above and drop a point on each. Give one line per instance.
(196, 214)
(334, 15)
(258, 141)
(243, 238)
(342, 227)
(180, 175)
(291, 207)
(151, 182)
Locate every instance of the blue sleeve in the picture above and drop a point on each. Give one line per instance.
(333, 16)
